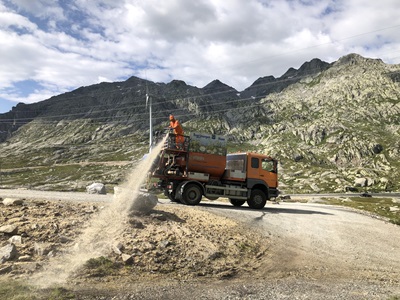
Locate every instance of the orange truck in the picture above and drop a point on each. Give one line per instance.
(201, 167)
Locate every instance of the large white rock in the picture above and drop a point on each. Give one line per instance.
(96, 188)
(12, 201)
(362, 182)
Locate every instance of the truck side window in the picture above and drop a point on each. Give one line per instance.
(267, 165)
(254, 163)
(235, 165)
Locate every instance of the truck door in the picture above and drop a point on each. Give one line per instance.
(268, 171)
(264, 169)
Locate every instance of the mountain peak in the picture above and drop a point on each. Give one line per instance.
(216, 84)
(311, 67)
(354, 58)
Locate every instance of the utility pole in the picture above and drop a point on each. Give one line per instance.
(148, 102)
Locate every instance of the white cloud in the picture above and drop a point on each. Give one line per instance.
(80, 42)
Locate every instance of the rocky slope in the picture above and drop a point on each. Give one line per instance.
(331, 126)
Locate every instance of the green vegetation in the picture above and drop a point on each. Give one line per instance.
(377, 206)
(69, 177)
(100, 266)
(241, 147)
(60, 293)
(16, 290)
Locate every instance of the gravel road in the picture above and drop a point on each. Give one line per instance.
(319, 241)
(317, 252)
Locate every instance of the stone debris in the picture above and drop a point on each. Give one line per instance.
(126, 258)
(8, 252)
(24, 258)
(42, 249)
(117, 248)
(15, 239)
(9, 229)
(179, 241)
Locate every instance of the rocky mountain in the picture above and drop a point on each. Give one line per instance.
(331, 126)
(269, 84)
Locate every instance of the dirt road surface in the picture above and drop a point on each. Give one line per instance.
(317, 241)
(315, 251)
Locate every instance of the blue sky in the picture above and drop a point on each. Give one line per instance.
(49, 47)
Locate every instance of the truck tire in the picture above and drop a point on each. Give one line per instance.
(257, 200)
(237, 202)
(192, 194)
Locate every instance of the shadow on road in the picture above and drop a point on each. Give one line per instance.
(266, 210)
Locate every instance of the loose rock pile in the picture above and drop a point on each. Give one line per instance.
(170, 240)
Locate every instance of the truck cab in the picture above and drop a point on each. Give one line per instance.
(252, 166)
(255, 171)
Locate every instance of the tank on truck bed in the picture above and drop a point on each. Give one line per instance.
(201, 155)
(201, 167)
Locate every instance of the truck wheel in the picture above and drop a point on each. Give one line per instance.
(191, 194)
(237, 202)
(257, 200)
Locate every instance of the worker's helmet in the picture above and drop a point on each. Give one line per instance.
(171, 117)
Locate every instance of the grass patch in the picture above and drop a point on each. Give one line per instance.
(72, 177)
(377, 206)
(14, 290)
(60, 294)
(101, 266)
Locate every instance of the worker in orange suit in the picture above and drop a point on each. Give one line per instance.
(176, 126)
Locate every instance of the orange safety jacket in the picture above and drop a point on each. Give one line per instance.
(176, 126)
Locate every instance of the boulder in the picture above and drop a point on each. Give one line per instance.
(42, 249)
(127, 259)
(117, 248)
(141, 201)
(25, 258)
(15, 239)
(315, 187)
(96, 188)
(12, 201)
(144, 202)
(9, 229)
(362, 182)
(7, 252)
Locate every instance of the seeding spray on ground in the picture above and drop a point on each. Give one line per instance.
(97, 238)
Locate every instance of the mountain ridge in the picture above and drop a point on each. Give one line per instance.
(331, 125)
(215, 91)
